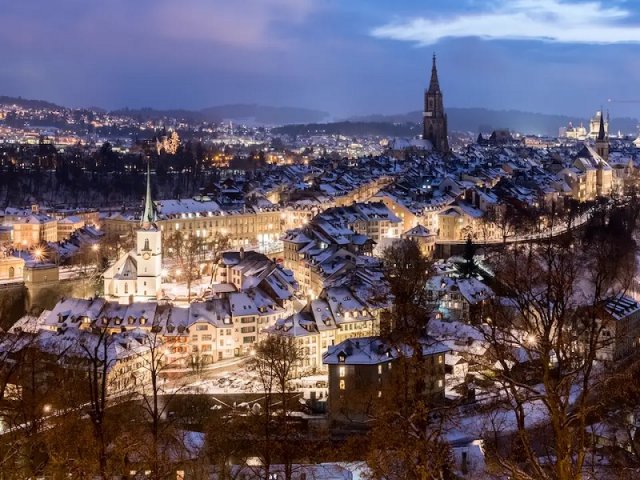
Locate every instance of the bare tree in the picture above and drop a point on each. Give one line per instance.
(545, 334)
(216, 244)
(115, 244)
(405, 438)
(227, 442)
(274, 361)
(22, 406)
(406, 271)
(157, 393)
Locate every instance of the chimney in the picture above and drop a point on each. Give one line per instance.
(241, 253)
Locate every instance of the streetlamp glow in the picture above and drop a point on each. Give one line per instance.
(38, 254)
(531, 339)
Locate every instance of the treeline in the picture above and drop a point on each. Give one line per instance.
(105, 177)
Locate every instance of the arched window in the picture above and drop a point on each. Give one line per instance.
(146, 244)
(126, 288)
(12, 272)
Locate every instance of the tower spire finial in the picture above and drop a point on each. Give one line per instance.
(434, 84)
(149, 215)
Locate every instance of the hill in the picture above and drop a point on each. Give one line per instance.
(27, 103)
(485, 120)
(246, 113)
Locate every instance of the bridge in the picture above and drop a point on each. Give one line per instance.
(445, 248)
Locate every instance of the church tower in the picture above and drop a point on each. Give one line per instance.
(148, 249)
(434, 117)
(602, 141)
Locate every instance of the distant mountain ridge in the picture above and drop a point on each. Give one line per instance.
(247, 113)
(485, 120)
(250, 113)
(29, 103)
(474, 120)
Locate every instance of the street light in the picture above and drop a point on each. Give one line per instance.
(531, 340)
(38, 254)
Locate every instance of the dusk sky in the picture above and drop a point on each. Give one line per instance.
(345, 57)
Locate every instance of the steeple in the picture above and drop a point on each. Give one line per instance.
(149, 215)
(434, 85)
(601, 132)
(602, 140)
(434, 126)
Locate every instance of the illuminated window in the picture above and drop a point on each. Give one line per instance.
(342, 371)
(440, 359)
(440, 383)
(342, 385)
(379, 369)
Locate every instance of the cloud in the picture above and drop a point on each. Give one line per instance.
(125, 26)
(545, 20)
(252, 24)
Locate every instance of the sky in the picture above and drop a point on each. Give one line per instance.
(345, 57)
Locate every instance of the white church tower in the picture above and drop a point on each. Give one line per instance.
(148, 250)
(137, 276)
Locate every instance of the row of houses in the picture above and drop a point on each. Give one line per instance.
(337, 241)
(26, 228)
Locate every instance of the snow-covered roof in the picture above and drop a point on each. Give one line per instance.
(186, 206)
(374, 351)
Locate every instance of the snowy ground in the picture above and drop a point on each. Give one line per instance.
(244, 380)
(179, 290)
(241, 380)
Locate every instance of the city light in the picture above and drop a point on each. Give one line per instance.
(289, 272)
(531, 340)
(38, 254)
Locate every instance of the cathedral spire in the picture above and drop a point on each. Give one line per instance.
(149, 215)
(601, 133)
(434, 123)
(434, 85)
(602, 140)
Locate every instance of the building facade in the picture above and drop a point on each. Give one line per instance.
(361, 373)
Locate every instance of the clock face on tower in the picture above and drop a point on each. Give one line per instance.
(146, 255)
